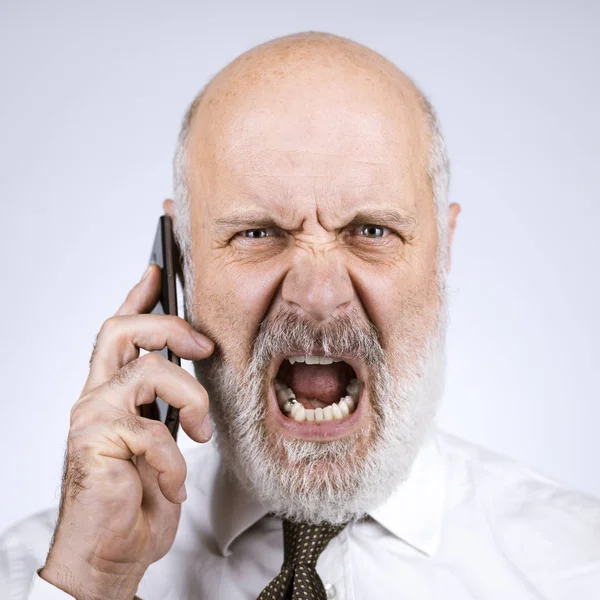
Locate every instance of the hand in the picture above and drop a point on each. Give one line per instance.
(124, 474)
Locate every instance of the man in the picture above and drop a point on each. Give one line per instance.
(311, 212)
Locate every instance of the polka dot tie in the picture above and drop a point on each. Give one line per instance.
(298, 578)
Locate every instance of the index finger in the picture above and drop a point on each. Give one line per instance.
(143, 297)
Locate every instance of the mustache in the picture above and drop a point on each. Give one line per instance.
(288, 333)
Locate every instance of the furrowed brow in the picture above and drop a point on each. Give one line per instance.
(257, 219)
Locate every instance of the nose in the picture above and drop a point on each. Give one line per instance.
(318, 284)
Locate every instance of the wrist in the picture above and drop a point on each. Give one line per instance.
(86, 581)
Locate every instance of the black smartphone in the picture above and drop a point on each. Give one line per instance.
(166, 255)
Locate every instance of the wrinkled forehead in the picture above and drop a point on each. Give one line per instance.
(316, 131)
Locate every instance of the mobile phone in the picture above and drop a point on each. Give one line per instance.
(165, 254)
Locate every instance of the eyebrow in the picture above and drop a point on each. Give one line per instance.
(248, 219)
(257, 219)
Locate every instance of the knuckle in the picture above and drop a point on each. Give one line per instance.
(181, 468)
(176, 321)
(109, 327)
(161, 433)
(163, 443)
(173, 320)
(80, 445)
(152, 360)
(203, 395)
(79, 417)
(132, 370)
(108, 330)
(200, 399)
(132, 423)
(74, 411)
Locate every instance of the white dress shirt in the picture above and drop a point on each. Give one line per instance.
(467, 524)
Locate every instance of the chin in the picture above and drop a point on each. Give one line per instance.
(304, 459)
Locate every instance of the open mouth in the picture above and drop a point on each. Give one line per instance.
(317, 388)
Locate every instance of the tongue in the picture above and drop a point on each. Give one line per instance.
(323, 382)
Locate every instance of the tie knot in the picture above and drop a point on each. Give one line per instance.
(303, 543)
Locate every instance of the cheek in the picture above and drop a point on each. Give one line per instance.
(401, 300)
(230, 304)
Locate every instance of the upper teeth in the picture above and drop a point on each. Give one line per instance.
(313, 360)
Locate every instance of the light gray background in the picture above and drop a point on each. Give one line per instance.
(92, 97)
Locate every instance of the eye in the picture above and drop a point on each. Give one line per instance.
(371, 231)
(259, 233)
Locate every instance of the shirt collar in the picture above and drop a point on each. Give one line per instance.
(413, 512)
(234, 510)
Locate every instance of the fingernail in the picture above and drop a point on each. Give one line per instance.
(206, 428)
(202, 340)
(182, 493)
(146, 273)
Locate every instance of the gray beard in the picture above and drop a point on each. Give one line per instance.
(340, 480)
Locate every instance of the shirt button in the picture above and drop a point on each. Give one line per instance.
(330, 590)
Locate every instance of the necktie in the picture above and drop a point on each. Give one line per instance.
(298, 578)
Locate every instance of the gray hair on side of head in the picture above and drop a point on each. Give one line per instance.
(438, 170)
(182, 228)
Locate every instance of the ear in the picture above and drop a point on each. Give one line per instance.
(169, 208)
(453, 211)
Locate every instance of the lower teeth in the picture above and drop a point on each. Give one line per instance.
(334, 412)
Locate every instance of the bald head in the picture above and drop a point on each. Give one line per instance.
(308, 94)
(311, 62)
